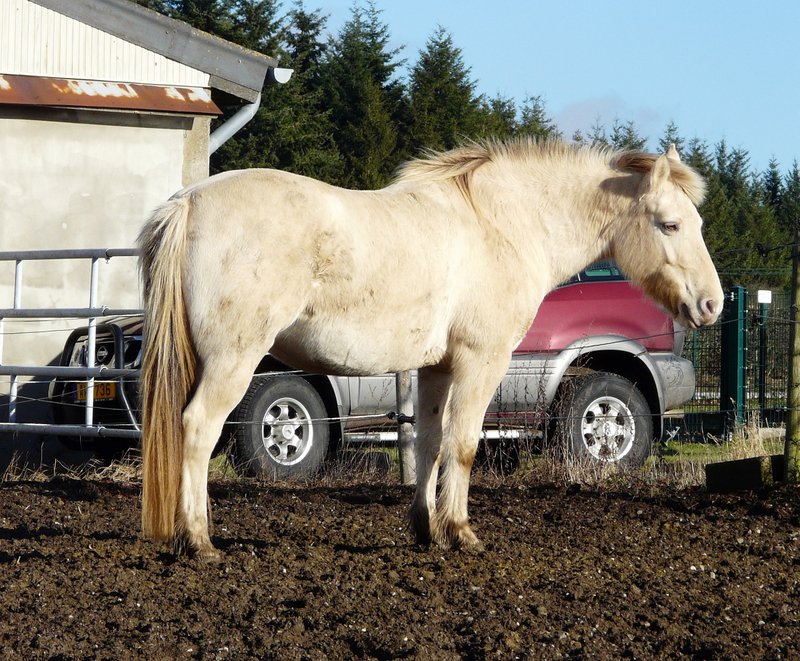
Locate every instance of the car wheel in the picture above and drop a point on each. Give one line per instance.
(604, 418)
(281, 429)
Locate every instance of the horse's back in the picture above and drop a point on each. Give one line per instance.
(364, 276)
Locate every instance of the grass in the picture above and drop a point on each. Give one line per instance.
(683, 463)
(678, 463)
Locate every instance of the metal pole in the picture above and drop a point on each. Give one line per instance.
(734, 358)
(762, 359)
(405, 428)
(13, 383)
(92, 343)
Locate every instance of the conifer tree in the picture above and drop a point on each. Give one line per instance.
(671, 136)
(535, 122)
(213, 16)
(625, 136)
(442, 105)
(773, 184)
(256, 25)
(497, 117)
(364, 99)
(597, 135)
(789, 212)
(292, 129)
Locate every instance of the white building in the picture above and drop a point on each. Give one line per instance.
(105, 110)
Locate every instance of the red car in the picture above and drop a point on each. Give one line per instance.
(598, 368)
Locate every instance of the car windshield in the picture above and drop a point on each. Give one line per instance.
(597, 272)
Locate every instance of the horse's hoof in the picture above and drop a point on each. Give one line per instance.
(205, 552)
(419, 523)
(210, 556)
(468, 541)
(457, 536)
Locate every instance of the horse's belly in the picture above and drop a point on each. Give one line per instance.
(339, 347)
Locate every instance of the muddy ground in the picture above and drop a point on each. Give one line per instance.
(332, 573)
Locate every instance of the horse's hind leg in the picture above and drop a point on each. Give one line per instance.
(433, 388)
(220, 388)
(475, 380)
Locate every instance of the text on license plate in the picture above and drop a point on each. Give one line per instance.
(102, 390)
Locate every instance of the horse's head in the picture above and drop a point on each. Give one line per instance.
(662, 247)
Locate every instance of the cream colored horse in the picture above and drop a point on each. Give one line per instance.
(443, 270)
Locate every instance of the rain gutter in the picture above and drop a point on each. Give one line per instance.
(237, 122)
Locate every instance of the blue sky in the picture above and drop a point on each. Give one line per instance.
(719, 70)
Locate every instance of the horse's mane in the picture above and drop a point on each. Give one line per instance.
(460, 163)
(682, 175)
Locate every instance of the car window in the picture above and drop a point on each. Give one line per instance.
(598, 272)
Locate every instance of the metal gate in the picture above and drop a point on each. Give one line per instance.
(91, 314)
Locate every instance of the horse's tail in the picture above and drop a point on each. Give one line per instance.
(168, 367)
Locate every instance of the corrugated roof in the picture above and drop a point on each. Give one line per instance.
(233, 69)
(72, 93)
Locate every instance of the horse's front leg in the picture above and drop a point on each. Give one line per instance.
(475, 380)
(433, 388)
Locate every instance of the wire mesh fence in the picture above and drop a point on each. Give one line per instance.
(759, 333)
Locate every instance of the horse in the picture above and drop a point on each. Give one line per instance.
(441, 271)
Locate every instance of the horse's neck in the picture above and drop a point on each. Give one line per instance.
(569, 213)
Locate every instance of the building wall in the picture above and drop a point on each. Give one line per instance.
(82, 185)
(72, 178)
(40, 42)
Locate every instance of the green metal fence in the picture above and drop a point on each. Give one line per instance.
(741, 364)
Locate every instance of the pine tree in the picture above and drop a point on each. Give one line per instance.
(597, 136)
(213, 16)
(773, 184)
(292, 129)
(256, 25)
(671, 137)
(309, 147)
(579, 139)
(698, 156)
(161, 6)
(625, 136)
(497, 117)
(789, 211)
(535, 122)
(304, 45)
(442, 104)
(364, 99)
(715, 210)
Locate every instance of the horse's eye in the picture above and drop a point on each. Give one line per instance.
(669, 228)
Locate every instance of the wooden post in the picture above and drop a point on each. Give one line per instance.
(792, 445)
(405, 428)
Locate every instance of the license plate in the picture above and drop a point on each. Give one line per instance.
(102, 391)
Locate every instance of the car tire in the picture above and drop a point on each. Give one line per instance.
(604, 418)
(281, 431)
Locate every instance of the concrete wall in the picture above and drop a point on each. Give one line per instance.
(67, 181)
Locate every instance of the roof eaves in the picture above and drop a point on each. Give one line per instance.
(232, 68)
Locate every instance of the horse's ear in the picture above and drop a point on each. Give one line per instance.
(660, 172)
(672, 152)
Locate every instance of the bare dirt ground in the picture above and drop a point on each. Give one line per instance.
(331, 572)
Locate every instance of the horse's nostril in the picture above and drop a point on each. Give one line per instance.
(709, 307)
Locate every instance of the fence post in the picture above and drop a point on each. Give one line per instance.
(762, 357)
(791, 450)
(405, 428)
(734, 357)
